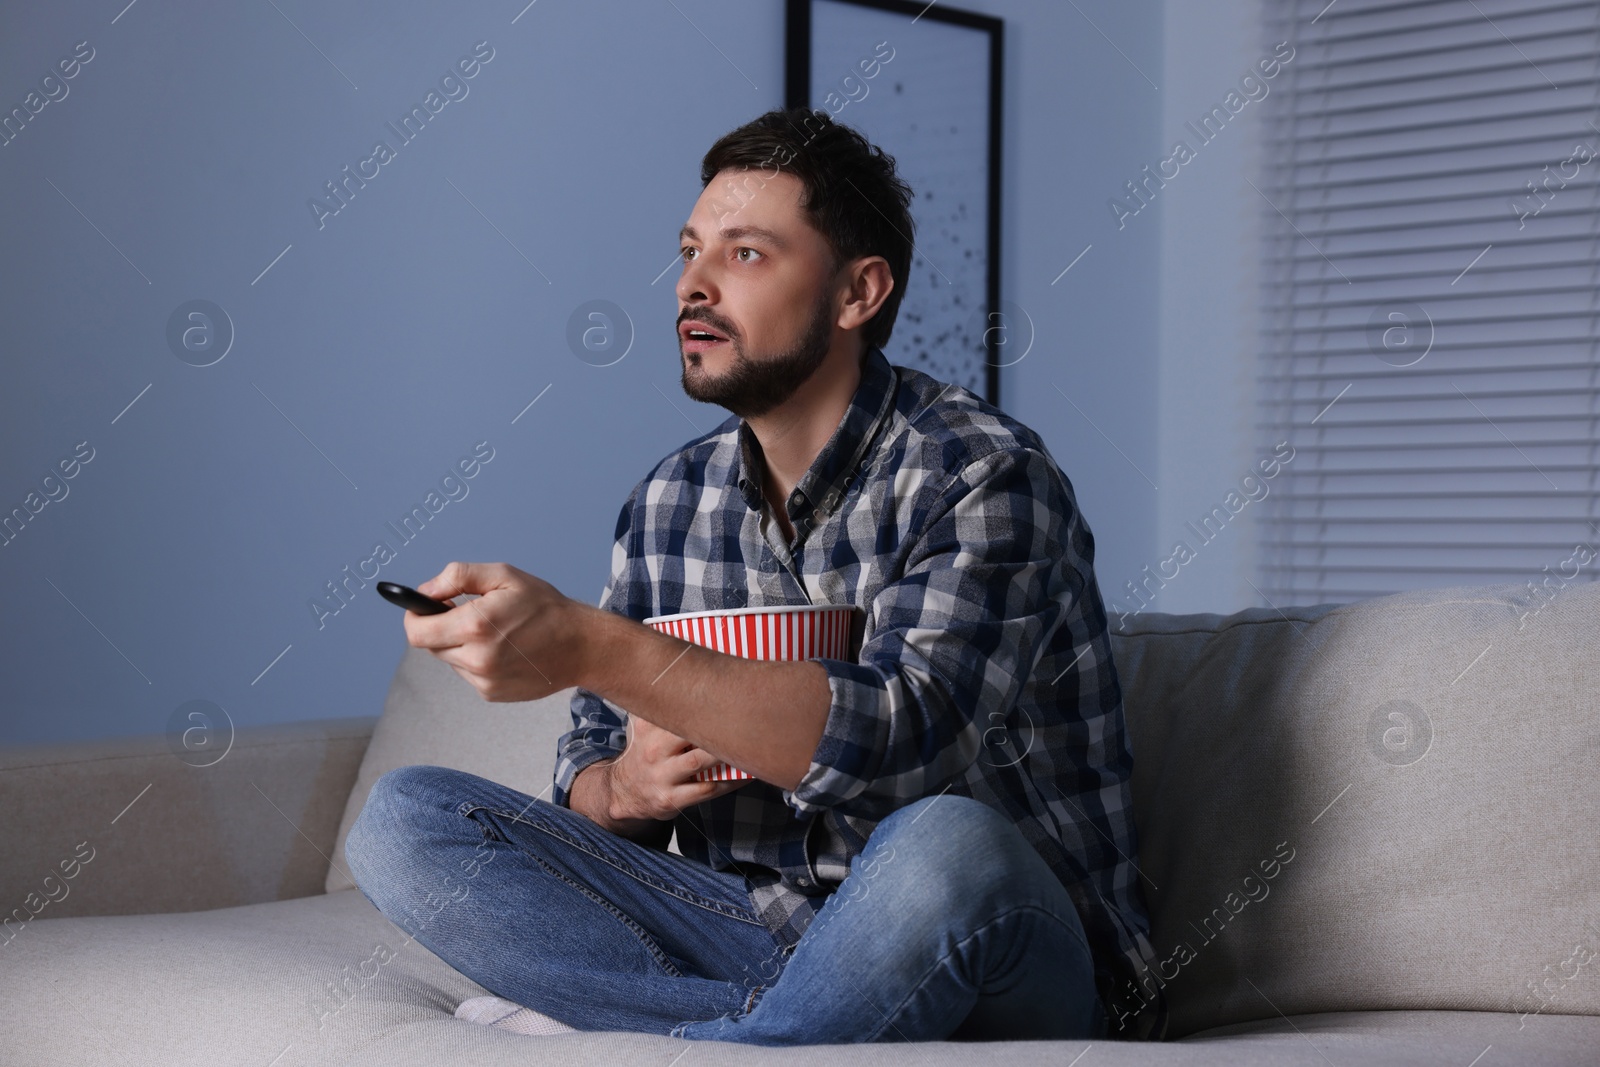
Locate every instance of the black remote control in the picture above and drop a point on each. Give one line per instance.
(406, 597)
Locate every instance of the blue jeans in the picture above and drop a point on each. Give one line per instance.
(949, 926)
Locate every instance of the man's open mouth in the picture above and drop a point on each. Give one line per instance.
(697, 339)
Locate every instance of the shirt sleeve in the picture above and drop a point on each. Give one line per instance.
(953, 640)
(597, 725)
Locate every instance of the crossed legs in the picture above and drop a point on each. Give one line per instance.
(949, 925)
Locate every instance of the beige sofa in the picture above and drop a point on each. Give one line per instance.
(1416, 772)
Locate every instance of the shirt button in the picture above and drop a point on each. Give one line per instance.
(802, 881)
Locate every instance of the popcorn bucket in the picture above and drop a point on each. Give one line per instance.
(786, 632)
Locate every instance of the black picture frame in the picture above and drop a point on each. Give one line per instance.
(975, 330)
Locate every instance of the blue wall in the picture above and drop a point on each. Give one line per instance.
(374, 348)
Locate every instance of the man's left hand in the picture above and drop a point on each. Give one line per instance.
(520, 639)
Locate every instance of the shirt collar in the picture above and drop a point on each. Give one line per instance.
(823, 485)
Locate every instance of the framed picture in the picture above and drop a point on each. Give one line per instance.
(922, 82)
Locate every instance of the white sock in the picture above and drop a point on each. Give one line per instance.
(509, 1015)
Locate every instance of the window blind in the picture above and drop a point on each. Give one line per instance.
(1430, 306)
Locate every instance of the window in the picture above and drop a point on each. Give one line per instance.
(1431, 297)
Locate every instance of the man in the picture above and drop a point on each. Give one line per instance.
(939, 840)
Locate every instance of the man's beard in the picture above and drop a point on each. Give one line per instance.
(751, 389)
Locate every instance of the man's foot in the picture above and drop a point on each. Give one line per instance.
(509, 1015)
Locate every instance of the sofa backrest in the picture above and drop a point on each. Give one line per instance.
(1384, 804)
(432, 715)
(1389, 804)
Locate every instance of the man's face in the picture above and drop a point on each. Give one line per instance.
(759, 275)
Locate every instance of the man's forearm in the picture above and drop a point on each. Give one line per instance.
(590, 796)
(766, 717)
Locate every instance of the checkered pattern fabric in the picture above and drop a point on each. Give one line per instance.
(984, 666)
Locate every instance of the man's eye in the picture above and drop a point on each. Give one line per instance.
(686, 253)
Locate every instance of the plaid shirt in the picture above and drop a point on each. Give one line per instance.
(984, 665)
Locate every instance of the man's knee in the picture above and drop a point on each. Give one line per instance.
(954, 824)
(954, 846)
(384, 821)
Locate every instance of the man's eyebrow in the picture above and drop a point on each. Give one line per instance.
(736, 233)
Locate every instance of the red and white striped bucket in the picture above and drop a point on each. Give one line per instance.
(788, 632)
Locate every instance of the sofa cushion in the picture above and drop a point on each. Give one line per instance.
(326, 980)
(433, 715)
(1459, 1038)
(1388, 804)
(307, 981)
(157, 832)
(1355, 1039)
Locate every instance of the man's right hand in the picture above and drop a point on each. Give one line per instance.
(645, 788)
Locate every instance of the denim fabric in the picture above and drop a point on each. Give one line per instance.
(949, 924)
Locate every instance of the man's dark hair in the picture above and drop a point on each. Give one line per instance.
(852, 195)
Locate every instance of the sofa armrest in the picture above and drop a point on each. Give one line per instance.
(123, 826)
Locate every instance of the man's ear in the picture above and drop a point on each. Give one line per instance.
(870, 283)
